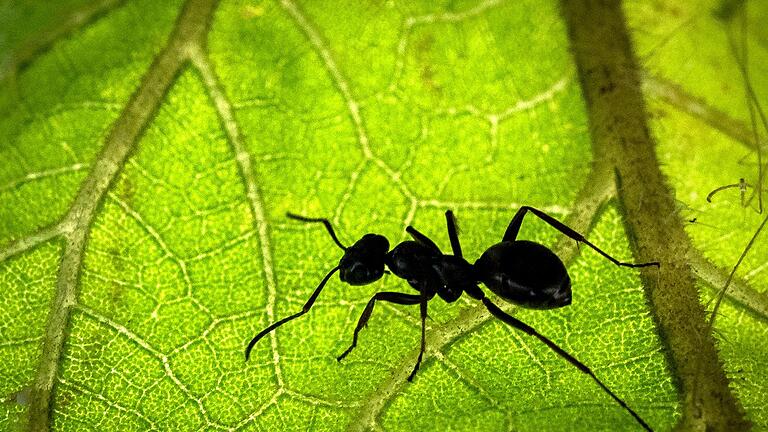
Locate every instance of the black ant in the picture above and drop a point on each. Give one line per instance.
(520, 271)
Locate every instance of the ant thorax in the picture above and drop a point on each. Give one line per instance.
(455, 276)
(411, 261)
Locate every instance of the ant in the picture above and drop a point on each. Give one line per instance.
(520, 271)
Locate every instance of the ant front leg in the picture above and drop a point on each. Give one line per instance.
(514, 228)
(392, 297)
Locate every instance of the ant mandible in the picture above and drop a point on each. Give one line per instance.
(519, 271)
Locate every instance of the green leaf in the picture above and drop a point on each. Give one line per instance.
(151, 150)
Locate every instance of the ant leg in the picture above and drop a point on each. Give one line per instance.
(514, 322)
(514, 225)
(423, 299)
(517, 220)
(421, 238)
(305, 309)
(392, 297)
(324, 221)
(453, 233)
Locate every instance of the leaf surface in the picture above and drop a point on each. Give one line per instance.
(149, 164)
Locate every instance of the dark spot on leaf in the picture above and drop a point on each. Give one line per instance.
(423, 53)
(20, 397)
(116, 289)
(116, 261)
(116, 293)
(127, 191)
(607, 88)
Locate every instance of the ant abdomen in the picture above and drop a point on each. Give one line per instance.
(525, 273)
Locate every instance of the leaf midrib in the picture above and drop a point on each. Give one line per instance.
(621, 135)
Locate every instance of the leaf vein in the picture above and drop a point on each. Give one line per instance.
(224, 110)
(35, 46)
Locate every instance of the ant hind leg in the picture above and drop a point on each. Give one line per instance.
(514, 322)
(514, 228)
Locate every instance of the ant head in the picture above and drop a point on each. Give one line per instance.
(363, 262)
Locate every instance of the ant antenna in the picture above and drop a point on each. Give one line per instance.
(324, 221)
(305, 309)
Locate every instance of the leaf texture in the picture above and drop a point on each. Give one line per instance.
(151, 150)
